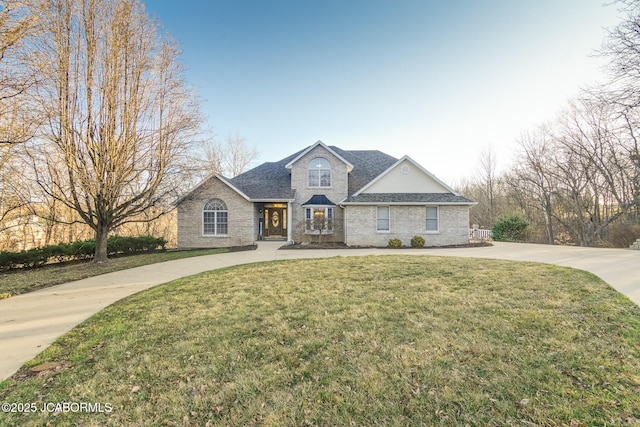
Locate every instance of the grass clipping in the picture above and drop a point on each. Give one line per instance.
(394, 340)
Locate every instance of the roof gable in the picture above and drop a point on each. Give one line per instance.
(406, 176)
(207, 180)
(321, 144)
(373, 176)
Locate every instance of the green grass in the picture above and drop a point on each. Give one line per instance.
(394, 340)
(27, 280)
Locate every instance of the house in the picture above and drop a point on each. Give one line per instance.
(322, 193)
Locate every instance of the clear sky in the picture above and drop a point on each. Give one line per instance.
(437, 80)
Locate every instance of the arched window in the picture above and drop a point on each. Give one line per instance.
(215, 218)
(319, 173)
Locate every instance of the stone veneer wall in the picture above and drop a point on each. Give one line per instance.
(336, 193)
(406, 222)
(241, 228)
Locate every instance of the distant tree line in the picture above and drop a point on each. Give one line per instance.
(577, 179)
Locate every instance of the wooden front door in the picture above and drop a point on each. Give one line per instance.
(275, 221)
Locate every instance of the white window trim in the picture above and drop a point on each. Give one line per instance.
(437, 230)
(319, 176)
(215, 224)
(326, 214)
(388, 230)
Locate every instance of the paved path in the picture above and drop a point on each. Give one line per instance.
(31, 322)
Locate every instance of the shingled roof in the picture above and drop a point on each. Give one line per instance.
(269, 181)
(272, 181)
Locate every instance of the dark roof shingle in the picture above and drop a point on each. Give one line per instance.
(272, 180)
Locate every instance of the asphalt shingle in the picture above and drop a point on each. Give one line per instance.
(272, 180)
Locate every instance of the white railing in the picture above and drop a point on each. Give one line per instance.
(480, 233)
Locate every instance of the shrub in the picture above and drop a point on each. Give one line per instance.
(623, 233)
(395, 243)
(78, 250)
(129, 245)
(417, 242)
(7, 260)
(82, 249)
(512, 228)
(33, 258)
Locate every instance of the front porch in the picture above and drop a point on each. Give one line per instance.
(274, 221)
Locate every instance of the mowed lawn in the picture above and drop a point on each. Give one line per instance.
(357, 341)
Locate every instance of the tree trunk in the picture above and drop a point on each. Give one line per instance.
(102, 234)
(548, 218)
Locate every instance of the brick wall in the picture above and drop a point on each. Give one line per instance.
(406, 222)
(336, 193)
(242, 227)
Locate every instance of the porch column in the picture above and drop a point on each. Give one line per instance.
(289, 222)
(346, 231)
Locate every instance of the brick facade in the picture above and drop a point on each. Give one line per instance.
(406, 222)
(336, 193)
(242, 229)
(375, 178)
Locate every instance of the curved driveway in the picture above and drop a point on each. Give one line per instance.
(30, 322)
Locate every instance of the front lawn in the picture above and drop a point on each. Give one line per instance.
(361, 341)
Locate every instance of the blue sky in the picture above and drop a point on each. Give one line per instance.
(437, 80)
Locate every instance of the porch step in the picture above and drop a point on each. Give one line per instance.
(635, 245)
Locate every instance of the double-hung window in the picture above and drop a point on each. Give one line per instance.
(215, 218)
(382, 218)
(432, 219)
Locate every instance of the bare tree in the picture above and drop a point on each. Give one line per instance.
(578, 172)
(119, 119)
(622, 49)
(531, 181)
(486, 184)
(16, 22)
(230, 158)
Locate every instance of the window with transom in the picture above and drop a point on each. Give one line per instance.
(319, 173)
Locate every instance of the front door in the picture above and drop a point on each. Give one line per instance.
(275, 222)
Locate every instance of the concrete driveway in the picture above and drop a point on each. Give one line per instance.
(31, 322)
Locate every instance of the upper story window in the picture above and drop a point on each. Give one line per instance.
(319, 173)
